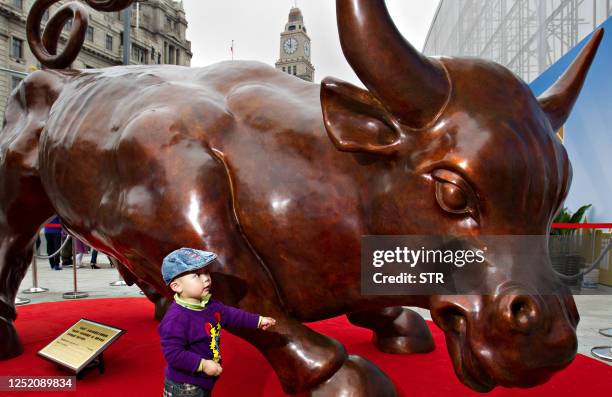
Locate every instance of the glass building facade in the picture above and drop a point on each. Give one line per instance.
(526, 36)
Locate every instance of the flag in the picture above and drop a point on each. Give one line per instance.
(232, 50)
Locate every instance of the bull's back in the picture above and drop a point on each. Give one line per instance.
(111, 129)
(120, 134)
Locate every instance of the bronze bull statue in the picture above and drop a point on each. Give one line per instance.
(281, 178)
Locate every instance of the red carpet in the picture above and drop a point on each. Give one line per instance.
(134, 364)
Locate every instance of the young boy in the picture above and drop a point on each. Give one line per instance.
(190, 329)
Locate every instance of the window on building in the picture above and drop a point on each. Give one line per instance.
(292, 27)
(283, 68)
(109, 42)
(90, 33)
(178, 56)
(17, 48)
(294, 70)
(171, 54)
(168, 25)
(18, 4)
(158, 58)
(15, 80)
(139, 54)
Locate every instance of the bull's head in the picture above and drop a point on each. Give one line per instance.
(465, 149)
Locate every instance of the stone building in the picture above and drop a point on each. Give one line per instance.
(157, 37)
(295, 48)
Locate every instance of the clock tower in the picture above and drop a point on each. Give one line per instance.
(295, 48)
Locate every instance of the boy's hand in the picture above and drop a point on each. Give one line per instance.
(266, 322)
(210, 368)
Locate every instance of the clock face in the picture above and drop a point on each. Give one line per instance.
(307, 49)
(290, 46)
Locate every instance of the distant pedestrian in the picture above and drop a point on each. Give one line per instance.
(93, 262)
(80, 248)
(53, 235)
(66, 253)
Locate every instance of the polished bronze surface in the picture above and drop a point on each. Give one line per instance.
(281, 178)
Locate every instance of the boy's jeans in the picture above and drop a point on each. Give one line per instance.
(173, 389)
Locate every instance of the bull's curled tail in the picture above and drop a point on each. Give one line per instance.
(44, 47)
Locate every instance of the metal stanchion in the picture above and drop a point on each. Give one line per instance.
(35, 288)
(21, 301)
(74, 294)
(606, 332)
(603, 352)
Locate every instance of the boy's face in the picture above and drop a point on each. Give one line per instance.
(192, 285)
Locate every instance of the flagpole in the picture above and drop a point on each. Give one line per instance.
(232, 48)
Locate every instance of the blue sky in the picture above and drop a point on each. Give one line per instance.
(588, 131)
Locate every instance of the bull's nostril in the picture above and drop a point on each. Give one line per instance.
(453, 319)
(521, 311)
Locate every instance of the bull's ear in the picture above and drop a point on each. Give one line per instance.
(356, 121)
(558, 100)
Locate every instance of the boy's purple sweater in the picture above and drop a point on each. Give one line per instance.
(186, 338)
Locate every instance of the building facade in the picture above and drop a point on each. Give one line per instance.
(526, 36)
(157, 37)
(295, 50)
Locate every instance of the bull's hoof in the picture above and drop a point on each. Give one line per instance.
(408, 334)
(356, 378)
(10, 346)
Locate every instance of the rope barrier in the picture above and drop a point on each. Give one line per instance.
(56, 252)
(594, 265)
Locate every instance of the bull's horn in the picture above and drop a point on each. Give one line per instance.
(44, 47)
(558, 100)
(412, 87)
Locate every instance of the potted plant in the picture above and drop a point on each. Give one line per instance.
(566, 244)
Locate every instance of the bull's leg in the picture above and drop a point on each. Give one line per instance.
(396, 329)
(13, 265)
(314, 364)
(20, 219)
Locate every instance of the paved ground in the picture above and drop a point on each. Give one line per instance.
(595, 310)
(93, 281)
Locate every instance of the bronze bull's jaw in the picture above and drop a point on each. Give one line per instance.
(534, 348)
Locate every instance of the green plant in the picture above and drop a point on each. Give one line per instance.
(564, 216)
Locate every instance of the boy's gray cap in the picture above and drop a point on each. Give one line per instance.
(184, 260)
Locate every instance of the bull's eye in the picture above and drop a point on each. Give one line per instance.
(454, 194)
(451, 198)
